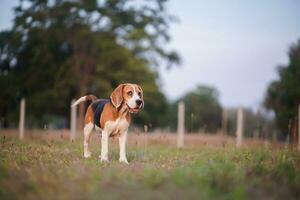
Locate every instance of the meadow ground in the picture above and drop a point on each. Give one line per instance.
(48, 166)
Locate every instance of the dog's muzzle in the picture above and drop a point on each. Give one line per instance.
(140, 106)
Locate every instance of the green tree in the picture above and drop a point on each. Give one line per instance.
(62, 49)
(202, 110)
(283, 95)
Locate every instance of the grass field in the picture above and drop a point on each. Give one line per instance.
(51, 167)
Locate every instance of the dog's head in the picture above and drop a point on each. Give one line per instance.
(129, 95)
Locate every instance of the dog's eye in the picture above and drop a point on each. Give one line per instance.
(140, 94)
(130, 93)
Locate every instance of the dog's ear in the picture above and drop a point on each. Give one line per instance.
(116, 96)
(142, 93)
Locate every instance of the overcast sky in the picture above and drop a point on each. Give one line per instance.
(233, 45)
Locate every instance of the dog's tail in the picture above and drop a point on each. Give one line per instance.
(90, 97)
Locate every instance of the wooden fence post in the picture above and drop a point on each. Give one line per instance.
(180, 125)
(239, 127)
(224, 121)
(22, 119)
(299, 128)
(73, 121)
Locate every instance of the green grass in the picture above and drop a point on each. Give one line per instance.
(40, 169)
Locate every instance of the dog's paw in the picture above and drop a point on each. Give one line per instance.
(104, 160)
(87, 155)
(124, 161)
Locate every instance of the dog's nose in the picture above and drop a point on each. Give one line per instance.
(139, 102)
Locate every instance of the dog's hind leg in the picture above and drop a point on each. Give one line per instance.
(88, 128)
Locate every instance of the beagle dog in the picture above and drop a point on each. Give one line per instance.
(111, 117)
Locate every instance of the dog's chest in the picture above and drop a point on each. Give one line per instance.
(116, 127)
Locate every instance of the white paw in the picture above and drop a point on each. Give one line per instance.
(104, 160)
(123, 161)
(87, 155)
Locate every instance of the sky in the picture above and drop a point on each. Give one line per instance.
(233, 45)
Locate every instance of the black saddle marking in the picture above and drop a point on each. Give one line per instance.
(97, 108)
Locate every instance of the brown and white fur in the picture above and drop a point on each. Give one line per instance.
(114, 119)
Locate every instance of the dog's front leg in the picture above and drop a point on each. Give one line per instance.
(122, 144)
(104, 146)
